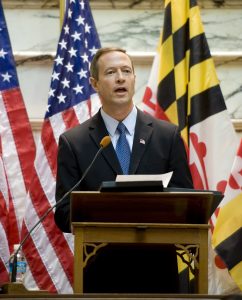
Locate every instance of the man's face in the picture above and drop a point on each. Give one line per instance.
(116, 80)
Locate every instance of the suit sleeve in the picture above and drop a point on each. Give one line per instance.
(179, 164)
(68, 175)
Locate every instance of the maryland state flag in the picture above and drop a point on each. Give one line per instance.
(183, 88)
(227, 235)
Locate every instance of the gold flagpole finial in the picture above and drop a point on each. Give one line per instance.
(62, 10)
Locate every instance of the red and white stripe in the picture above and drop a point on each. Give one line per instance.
(4, 228)
(17, 157)
(49, 251)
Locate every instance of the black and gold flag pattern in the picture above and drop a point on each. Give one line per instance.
(184, 89)
(227, 235)
(188, 87)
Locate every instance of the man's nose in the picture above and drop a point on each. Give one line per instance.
(120, 76)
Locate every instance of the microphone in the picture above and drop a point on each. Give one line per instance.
(103, 144)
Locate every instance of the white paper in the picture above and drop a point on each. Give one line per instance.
(165, 178)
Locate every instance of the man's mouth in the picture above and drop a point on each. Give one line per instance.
(120, 90)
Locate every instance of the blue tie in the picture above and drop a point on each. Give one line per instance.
(122, 149)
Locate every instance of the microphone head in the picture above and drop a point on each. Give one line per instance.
(105, 141)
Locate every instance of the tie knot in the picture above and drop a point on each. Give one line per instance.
(121, 128)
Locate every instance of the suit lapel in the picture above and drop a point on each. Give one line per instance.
(143, 132)
(97, 131)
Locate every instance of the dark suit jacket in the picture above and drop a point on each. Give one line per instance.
(162, 152)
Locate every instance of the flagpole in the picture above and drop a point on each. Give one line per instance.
(62, 10)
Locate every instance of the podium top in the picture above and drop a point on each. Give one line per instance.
(143, 207)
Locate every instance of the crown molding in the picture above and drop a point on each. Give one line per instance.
(117, 4)
(30, 4)
(36, 124)
(139, 57)
(237, 125)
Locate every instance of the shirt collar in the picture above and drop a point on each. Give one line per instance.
(111, 123)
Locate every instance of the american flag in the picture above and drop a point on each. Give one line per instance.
(71, 100)
(17, 152)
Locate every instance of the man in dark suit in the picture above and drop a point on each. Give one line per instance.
(156, 147)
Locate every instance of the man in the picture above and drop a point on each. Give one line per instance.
(155, 147)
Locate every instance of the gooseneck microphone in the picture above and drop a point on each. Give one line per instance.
(103, 144)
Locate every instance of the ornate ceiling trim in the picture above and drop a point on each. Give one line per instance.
(117, 4)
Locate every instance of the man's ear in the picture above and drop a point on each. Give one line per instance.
(93, 83)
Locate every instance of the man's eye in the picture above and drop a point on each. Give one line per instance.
(110, 72)
(127, 71)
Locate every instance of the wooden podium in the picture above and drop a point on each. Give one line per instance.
(179, 218)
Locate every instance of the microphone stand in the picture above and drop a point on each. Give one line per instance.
(14, 267)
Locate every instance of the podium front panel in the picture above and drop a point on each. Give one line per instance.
(142, 207)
